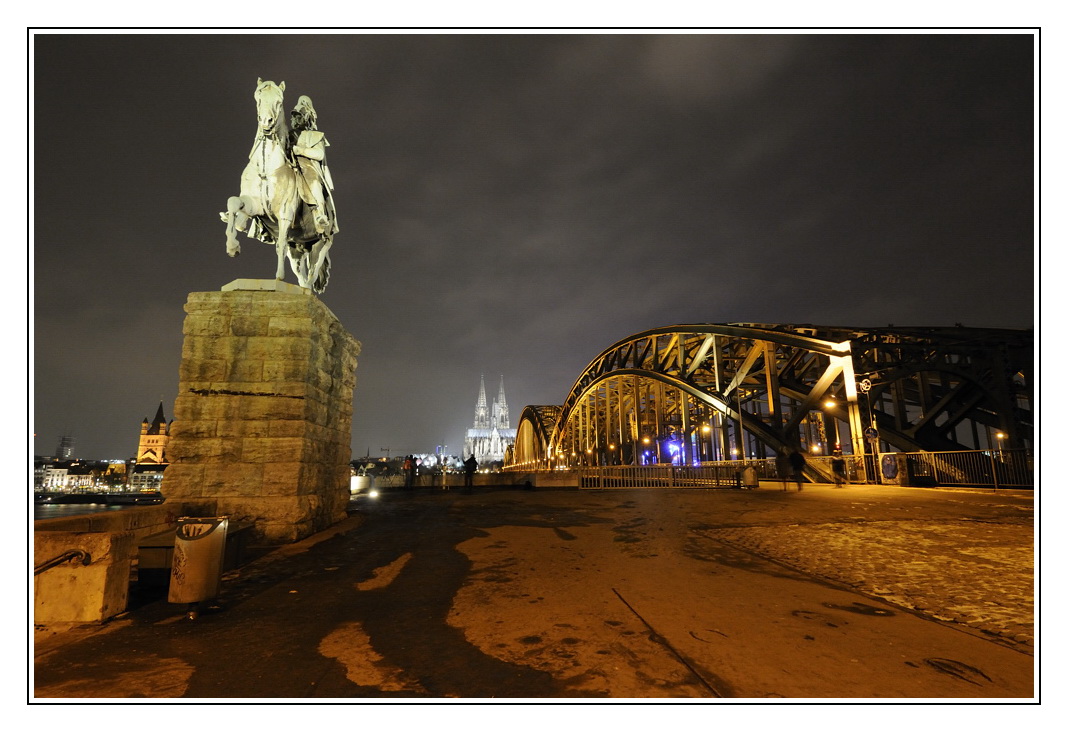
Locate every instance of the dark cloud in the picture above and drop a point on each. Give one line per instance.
(513, 204)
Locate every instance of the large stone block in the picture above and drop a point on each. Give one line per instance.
(263, 418)
(280, 371)
(284, 519)
(205, 324)
(82, 593)
(249, 325)
(207, 370)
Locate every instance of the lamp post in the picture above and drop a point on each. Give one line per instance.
(741, 425)
(1001, 457)
(830, 404)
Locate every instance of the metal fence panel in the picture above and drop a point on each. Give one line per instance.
(997, 468)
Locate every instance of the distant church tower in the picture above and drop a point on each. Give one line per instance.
(152, 448)
(491, 435)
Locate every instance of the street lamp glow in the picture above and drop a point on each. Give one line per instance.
(829, 404)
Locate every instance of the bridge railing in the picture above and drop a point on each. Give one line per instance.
(995, 468)
(981, 468)
(717, 475)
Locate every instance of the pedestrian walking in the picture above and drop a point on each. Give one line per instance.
(782, 467)
(838, 467)
(797, 465)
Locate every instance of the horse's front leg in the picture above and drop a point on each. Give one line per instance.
(234, 206)
(280, 248)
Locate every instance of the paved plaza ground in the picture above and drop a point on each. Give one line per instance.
(857, 592)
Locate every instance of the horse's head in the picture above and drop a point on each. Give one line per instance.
(269, 106)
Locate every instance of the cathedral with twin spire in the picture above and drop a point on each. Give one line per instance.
(492, 434)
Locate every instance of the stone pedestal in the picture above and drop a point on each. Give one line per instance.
(262, 422)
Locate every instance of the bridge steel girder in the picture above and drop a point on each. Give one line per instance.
(532, 435)
(691, 373)
(760, 387)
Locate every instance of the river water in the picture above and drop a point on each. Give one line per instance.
(63, 510)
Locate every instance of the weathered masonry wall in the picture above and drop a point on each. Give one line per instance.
(73, 592)
(262, 422)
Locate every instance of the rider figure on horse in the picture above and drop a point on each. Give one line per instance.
(309, 145)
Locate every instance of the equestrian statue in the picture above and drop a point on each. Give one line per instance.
(287, 197)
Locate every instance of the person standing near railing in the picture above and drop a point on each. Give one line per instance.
(470, 465)
(409, 472)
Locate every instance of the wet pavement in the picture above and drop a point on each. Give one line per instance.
(853, 592)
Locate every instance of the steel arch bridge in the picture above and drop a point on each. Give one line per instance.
(688, 394)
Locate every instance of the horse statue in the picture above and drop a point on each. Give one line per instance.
(271, 205)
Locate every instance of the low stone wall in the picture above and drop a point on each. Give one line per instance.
(143, 520)
(75, 593)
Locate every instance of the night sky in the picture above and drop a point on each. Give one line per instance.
(514, 204)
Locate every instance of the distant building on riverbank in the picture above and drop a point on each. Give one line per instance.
(147, 473)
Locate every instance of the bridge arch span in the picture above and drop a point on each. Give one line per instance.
(687, 394)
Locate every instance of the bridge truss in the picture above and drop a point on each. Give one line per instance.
(690, 394)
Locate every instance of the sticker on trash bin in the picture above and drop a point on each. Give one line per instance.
(192, 529)
(178, 564)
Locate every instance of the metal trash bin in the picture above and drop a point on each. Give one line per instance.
(199, 549)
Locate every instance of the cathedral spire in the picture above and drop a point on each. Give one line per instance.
(500, 408)
(482, 416)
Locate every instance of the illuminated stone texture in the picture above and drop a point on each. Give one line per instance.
(262, 421)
